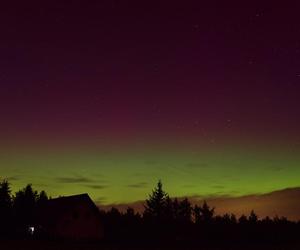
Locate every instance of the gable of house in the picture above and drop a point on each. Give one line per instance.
(75, 217)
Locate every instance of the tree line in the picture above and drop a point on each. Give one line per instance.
(17, 211)
(164, 220)
(178, 223)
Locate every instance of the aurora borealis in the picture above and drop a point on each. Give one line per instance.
(120, 177)
(107, 97)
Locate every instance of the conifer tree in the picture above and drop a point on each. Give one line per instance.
(203, 213)
(5, 205)
(156, 204)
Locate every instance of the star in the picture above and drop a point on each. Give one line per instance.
(250, 62)
(196, 26)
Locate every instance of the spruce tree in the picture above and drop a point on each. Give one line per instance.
(5, 205)
(156, 204)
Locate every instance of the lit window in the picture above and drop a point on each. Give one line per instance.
(31, 230)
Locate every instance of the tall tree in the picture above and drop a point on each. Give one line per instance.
(5, 205)
(203, 213)
(24, 204)
(41, 198)
(5, 195)
(243, 220)
(157, 202)
(184, 211)
(252, 217)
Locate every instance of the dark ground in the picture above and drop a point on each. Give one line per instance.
(51, 245)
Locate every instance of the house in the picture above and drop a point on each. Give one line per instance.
(71, 217)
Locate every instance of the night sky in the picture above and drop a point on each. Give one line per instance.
(107, 97)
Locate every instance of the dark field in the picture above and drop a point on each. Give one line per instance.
(47, 245)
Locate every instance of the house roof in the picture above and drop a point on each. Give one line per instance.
(56, 208)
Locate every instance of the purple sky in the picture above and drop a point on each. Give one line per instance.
(105, 66)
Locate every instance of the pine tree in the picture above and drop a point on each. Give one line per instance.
(185, 211)
(204, 213)
(252, 217)
(24, 204)
(5, 195)
(41, 198)
(243, 220)
(157, 202)
(5, 205)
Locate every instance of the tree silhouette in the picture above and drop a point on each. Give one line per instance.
(226, 219)
(5, 206)
(156, 204)
(252, 217)
(203, 214)
(184, 213)
(166, 221)
(131, 215)
(243, 220)
(5, 196)
(24, 204)
(41, 198)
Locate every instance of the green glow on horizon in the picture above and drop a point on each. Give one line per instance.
(118, 177)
